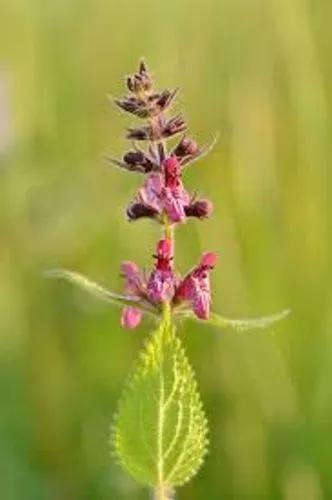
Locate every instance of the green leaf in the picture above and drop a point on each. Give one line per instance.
(98, 290)
(241, 325)
(159, 433)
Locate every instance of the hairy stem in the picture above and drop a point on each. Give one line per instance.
(168, 229)
(162, 493)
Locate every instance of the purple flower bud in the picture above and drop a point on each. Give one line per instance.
(143, 67)
(186, 147)
(200, 209)
(164, 99)
(161, 130)
(140, 210)
(139, 133)
(138, 159)
(134, 106)
(174, 126)
(141, 81)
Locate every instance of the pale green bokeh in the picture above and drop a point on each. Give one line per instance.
(259, 74)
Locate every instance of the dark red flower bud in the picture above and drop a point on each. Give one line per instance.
(141, 81)
(138, 159)
(200, 209)
(142, 67)
(130, 84)
(134, 106)
(164, 99)
(145, 106)
(174, 126)
(161, 130)
(186, 147)
(140, 133)
(140, 210)
(145, 75)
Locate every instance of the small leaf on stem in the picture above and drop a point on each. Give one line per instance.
(240, 325)
(99, 291)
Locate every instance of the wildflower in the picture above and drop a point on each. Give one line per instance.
(131, 316)
(163, 198)
(161, 283)
(164, 285)
(195, 287)
(164, 193)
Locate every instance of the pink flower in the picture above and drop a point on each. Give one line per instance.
(161, 283)
(131, 317)
(195, 287)
(174, 197)
(158, 287)
(163, 192)
(134, 279)
(163, 198)
(135, 287)
(173, 205)
(150, 193)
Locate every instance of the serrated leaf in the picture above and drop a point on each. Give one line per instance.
(240, 325)
(159, 432)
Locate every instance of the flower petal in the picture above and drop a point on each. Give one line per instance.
(131, 317)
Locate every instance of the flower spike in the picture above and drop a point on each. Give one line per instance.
(163, 198)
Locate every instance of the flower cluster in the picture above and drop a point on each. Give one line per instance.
(164, 284)
(162, 198)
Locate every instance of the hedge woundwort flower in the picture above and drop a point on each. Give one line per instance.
(163, 198)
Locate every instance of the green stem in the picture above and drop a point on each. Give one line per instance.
(168, 229)
(162, 493)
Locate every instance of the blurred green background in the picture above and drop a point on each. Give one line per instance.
(259, 73)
